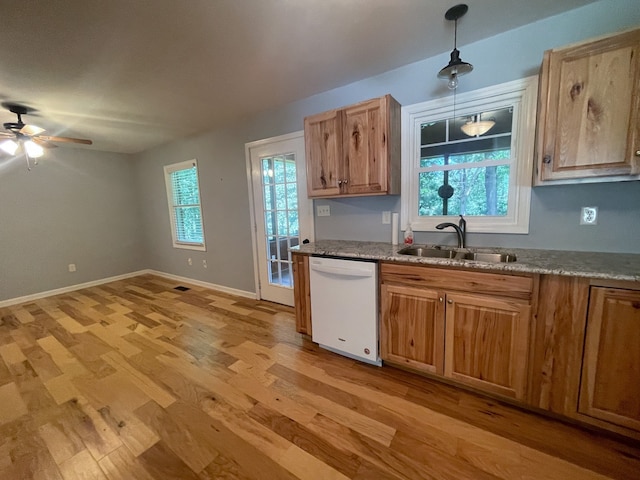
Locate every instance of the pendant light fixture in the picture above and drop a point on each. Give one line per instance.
(476, 127)
(456, 66)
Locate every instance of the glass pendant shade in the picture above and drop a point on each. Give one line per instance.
(475, 129)
(9, 146)
(33, 149)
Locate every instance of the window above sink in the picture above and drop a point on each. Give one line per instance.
(485, 175)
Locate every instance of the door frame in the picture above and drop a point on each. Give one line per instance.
(305, 204)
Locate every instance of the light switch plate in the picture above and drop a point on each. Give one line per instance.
(386, 218)
(323, 211)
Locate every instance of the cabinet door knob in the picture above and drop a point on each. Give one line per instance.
(637, 153)
(449, 302)
(546, 159)
(345, 181)
(441, 299)
(339, 182)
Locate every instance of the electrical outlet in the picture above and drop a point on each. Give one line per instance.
(386, 218)
(589, 216)
(189, 261)
(204, 263)
(323, 211)
(72, 267)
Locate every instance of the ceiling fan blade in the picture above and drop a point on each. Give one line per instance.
(64, 140)
(44, 143)
(31, 130)
(7, 134)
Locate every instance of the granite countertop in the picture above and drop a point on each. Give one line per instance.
(611, 266)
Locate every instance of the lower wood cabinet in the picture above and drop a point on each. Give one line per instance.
(467, 328)
(487, 343)
(301, 293)
(567, 345)
(610, 387)
(412, 327)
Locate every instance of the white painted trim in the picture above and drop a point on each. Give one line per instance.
(168, 170)
(70, 288)
(102, 281)
(253, 177)
(200, 283)
(522, 94)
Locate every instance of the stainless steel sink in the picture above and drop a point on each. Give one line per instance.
(430, 252)
(489, 257)
(436, 252)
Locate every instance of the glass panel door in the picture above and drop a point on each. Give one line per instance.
(282, 213)
(281, 227)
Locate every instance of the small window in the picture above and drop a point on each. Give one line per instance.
(185, 212)
(473, 159)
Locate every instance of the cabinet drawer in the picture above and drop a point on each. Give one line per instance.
(517, 286)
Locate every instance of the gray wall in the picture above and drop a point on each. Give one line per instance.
(225, 208)
(76, 206)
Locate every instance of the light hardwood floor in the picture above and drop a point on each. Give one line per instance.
(137, 380)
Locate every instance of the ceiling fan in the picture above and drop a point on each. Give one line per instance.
(29, 137)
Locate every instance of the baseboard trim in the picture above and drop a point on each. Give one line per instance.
(95, 283)
(200, 283)
(70, 288)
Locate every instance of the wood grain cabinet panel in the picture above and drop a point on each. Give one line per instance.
(413, 327)
(301, 293)
(589, 121)
(487, 343)
(323, 145)
(354, 150)
(610, 388)
(472, 327)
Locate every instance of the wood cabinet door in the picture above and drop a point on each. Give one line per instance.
(487, 343)
(590, 97)
(365, 147)
(301, 293)
(610, 388)
(323, 146)
(413, 327)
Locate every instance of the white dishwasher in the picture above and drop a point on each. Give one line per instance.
(344, 307)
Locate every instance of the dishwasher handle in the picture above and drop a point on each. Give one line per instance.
(341, 271)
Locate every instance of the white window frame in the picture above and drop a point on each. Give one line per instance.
(168, 170)
(522, 95)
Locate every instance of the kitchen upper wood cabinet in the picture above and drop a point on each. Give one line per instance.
(589, 111)
(323, 145)
(610, 388)
(480, 321)
(413, 327)
(354, 150)
(301, 292)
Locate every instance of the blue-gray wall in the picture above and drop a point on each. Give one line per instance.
(77, 206)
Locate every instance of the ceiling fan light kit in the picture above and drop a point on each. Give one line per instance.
(456, 66)
(9, 146)
(29, 137)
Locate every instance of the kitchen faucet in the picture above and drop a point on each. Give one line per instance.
(461, 230)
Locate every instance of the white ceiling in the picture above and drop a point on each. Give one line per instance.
(133, 74)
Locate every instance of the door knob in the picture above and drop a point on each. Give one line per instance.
(449, 302)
